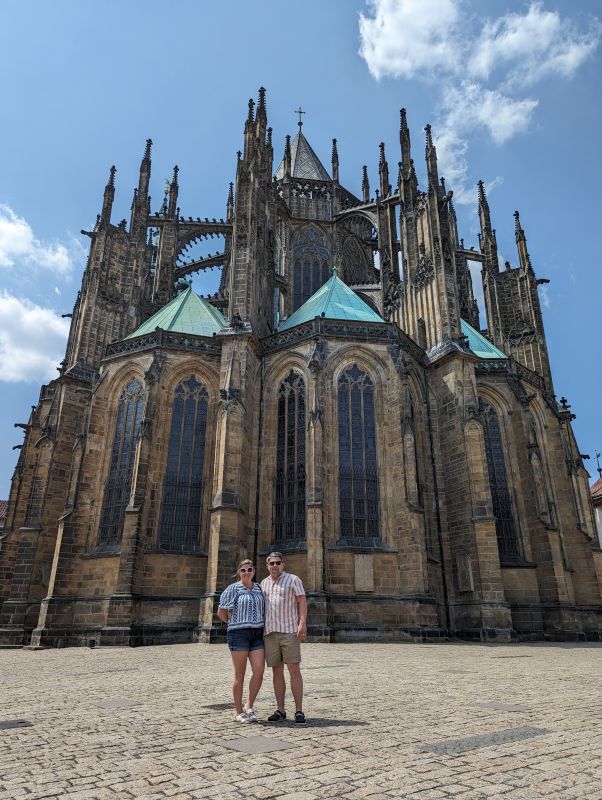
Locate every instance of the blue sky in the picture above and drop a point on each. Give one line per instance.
(511, 89)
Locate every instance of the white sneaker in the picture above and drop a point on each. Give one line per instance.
(251, 713)
(243, 717)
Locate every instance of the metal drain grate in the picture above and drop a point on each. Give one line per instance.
(14, 723)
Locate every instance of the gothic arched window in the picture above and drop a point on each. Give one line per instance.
(354, 262)
(310, 265)
(289, 489)
(121, 469)
(505, 527)
(181, 508)
(358, 471)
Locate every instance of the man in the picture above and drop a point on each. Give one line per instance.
(285, 627)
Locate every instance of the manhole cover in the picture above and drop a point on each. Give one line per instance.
(502, 707)
(119, 702)
(14, 723)
(255, 744)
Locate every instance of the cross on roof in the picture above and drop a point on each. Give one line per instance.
(300, 111)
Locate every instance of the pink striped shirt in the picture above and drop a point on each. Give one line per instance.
(281, 603)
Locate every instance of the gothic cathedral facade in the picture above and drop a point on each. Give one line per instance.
(334, 400)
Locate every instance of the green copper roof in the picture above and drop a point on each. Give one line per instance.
(479, 345)
(186, 313)
(334, 300)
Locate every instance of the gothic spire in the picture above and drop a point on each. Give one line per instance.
(173, 192)
(230, 204)
(431, 160)
(484, 214)
(335, 162)
(287, 157)
(383, 171)
(145, 170)
(404, 140)
(365, 185)
(109, 195)
(261, 116)
(521, 243)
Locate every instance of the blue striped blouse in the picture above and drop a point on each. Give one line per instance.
(246, 606)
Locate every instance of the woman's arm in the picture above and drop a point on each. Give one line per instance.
(222, 613)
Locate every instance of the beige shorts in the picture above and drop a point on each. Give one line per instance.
(282, 647)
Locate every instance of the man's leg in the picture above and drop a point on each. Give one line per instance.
(294, 670)
(279, 685)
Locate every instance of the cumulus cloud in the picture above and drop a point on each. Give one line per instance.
(532, 45)
(401, 40)
(19, 246)
(482, 69)
(32, 340)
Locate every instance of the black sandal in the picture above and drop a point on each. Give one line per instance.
(299, 718)
(277, 716)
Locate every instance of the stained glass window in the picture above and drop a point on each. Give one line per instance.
(310, 265)
(507, 538)
(358, 471)
(121, 469)
(181, 508)
(289, 489)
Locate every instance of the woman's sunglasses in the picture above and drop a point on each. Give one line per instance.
(246, 569)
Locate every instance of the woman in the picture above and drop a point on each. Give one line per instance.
(241, 605)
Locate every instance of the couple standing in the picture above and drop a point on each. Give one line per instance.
(265, 620)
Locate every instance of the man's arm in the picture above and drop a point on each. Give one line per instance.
(302, 616)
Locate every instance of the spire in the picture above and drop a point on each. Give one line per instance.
(521, 243)
(145, 170)
(287, 157)
(484, 215)
(431, 160)
(261, 116)
(230, 204)
(365, 185)
(173, 192)
(335, 162)
(109, 195)
(404, 140)
(383, 171)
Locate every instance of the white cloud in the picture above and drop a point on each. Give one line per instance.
(401, 40)
(533, 45)
(495, 60)
(32, 340)
(19, 246)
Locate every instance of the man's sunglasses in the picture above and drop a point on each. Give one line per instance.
(274, 563)
(246, 569)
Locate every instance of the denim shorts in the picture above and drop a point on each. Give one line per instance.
(245, 639)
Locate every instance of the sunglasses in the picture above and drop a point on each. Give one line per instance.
(274, 563)
(246, 569)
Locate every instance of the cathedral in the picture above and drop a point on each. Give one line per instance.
(335, 400)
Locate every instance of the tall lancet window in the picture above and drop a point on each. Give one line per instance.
(289, 488)
(181, 508)
(358, 470)
(310, 265)
(121, 469)
(505, 527)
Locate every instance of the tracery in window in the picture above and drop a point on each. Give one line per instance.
(182, 505)
(121, 468)
(358, 471)
(505, 527)
(354, 262)
(289, 488)
(310, 265)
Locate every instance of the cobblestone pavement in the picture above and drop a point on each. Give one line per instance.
(386, 720)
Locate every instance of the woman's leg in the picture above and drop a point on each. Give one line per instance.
(257, 659)
(239, 662)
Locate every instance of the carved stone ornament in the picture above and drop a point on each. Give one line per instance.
(153, 373)
(399, 361)
(425, 270)
(317, 356)
(229, 398)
